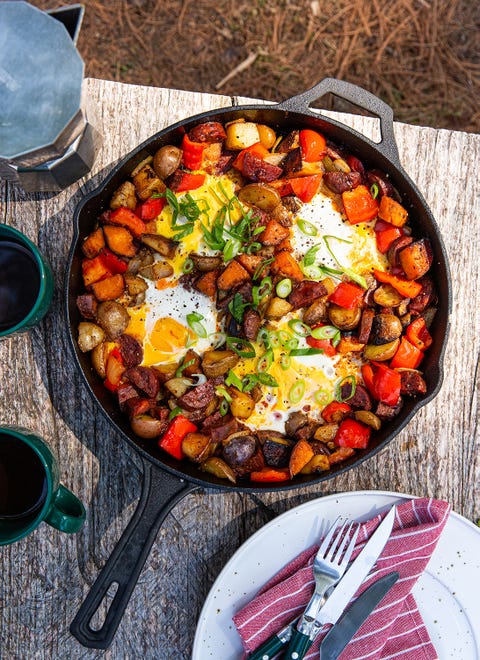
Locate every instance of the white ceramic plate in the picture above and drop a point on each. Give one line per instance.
(446, 593)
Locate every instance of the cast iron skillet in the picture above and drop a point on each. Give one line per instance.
(167, 480)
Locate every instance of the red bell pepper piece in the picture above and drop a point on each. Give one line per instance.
(151, 209)
(335, 411)
(418, 335)
(347, 295)
(256, 149)
(282, 186)
(268, 474)
(407, 356)
(114, 264)
(407, 288)
(386, 385)
(187, 181)
(313, 145)
(305, 187)
(367, 374)
(385, 234)
(192, 153)
(359, 205)
(127, 218)
(352, 434)
(114, 370)
(324, 344)
(171, 441)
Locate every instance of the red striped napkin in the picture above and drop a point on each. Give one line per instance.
(395, 628)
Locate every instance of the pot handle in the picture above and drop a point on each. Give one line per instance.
(160, 492)
(359, 97)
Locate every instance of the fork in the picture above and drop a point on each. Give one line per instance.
(329, 565)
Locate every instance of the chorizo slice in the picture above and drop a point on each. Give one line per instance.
(131, 351)
(384, 185)
(360, 399)
(251, 324)
(387, 413)
(209, 131)
(257, 169)
(197, 398)
(412, 383)
(397, 245)
(144, 379)
(365, 325)
(425, 297)
(87, 306)
(305, 293)
(340, 182)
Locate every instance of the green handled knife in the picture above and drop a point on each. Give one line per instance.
(335, 605)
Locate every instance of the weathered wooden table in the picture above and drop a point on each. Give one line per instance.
(45, 577)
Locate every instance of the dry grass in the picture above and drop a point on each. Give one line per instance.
(420, 56)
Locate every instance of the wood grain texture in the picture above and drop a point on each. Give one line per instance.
(45, 577)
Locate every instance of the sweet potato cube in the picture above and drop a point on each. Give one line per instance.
(251, 262)
(286, 266)
(274, 233)
(393, 212)
(416, 259)
(301, 454)
(94, 242)
(109, 288)
(341, 454)
(233, 276)
(94, 270)
(207, 284)
(119, 240)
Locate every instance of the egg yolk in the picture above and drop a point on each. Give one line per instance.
(163, 342)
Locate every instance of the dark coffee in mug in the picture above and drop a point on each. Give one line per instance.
(19, 283)
(23, 480)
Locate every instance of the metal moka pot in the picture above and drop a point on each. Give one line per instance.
(47, 141)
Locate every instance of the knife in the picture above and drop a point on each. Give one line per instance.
(334, 606)
(342, 632)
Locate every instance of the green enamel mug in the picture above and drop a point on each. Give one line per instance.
(26, 283)
(30, 489)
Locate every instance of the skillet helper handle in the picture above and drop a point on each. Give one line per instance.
(359, 97)
(160, 492)
(299, 645)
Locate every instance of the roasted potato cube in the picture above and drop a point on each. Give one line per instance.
(242, 404)
(217, 466)
(326, 432)
(217, 363)
(89, 336)
(124, 195)
(345, 319)
(164, 246)
(242, 135)
(147, 182)
(381, 353)
(196, 446)
(277, 308)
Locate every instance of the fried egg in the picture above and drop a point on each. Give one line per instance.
(160, 324)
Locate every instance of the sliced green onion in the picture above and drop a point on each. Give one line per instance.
(253, 247)
(338, 388)
(261, 266)
(311, 255)
(306, 351)
(325, 332)
(284, 337)
(312, 272)
(176, 411)
(233, 379)
(285, 362)
(221, 391)
(361, 281)
(231, 249)
(249, 381)
(292, 344)
(374, 190)
(261, 291)
(217, 339)
(223, 407)
(193, 321)
(299, 328)
(263, 337)
(265, 361)
(297, 391)
(188, 266)
(241, 347)
(307, 227)
(323, 397)
(284, 288)
(274, 339)
(182, 368)
(266, 379)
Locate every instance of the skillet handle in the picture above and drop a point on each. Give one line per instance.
(359, 97)
(160, 493)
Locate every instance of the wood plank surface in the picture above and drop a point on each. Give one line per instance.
(45, 577)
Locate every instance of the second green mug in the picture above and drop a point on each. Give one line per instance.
(30, 490)
(26, 282)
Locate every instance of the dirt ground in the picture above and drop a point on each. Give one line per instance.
(420, 56)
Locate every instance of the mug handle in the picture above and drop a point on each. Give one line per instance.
(357, 96)
(67, 513)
